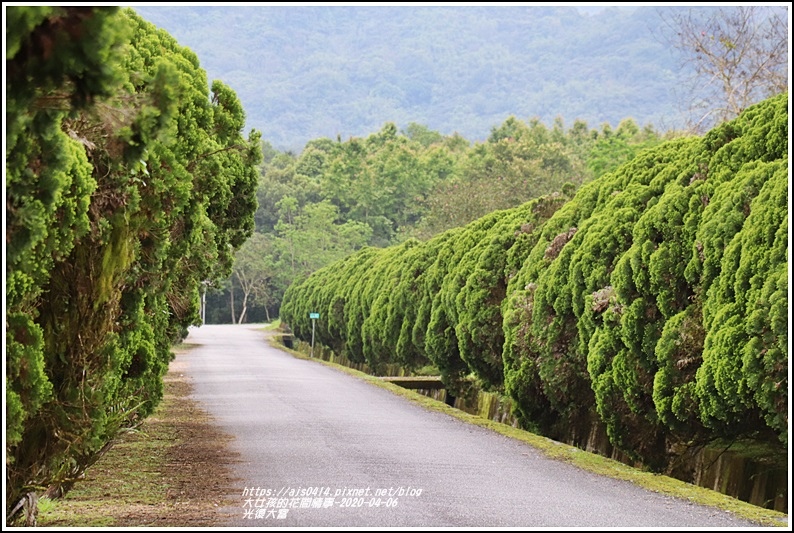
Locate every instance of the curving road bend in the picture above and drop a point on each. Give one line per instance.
(321, 448)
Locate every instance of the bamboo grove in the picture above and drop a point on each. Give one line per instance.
(654, 301)
(128, 186)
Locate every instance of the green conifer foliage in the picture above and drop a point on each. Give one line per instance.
(743, 382)
(128, 184)
(495, 259)
(48, 176)
(407, 301)
(623, 318)
(452, 269)
(341, 305)
(521, 351)
(381, 329)
(429, 283)
(653, 302)
(360, 304)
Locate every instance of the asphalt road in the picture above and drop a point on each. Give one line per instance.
(320, 448)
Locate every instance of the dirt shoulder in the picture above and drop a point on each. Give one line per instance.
(175, 471)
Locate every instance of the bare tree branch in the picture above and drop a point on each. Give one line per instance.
(738, 56)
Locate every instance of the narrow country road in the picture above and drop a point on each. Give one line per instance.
(320, 448)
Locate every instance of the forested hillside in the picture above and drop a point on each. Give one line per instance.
(383, 123)
(128, 184)
(337, 196)
(308, 72)
(653, 301)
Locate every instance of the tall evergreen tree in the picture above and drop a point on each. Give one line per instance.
(128, 184)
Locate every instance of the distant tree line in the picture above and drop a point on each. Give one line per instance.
(337, 196)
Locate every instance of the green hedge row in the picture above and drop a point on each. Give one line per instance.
(655, 300)
(128, 185)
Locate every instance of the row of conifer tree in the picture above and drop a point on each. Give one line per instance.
(653, 301)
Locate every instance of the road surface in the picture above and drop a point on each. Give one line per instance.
(321, 448)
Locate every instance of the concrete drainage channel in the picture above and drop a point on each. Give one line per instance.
(431, 386)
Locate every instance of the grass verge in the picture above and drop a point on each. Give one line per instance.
(173, 471)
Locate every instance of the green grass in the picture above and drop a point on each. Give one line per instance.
(132, 483)
(577, 457)
(274, 325)
(127, 475)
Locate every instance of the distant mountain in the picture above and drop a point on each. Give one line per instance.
(307, 72)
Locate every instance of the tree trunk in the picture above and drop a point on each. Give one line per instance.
(245, 307)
